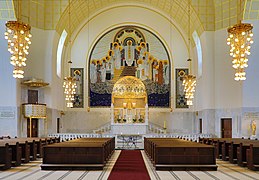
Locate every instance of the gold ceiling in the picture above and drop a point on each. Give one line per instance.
(206, 15)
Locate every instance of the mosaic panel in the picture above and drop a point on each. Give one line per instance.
(129, 51)
(78, 73)
(181, 101)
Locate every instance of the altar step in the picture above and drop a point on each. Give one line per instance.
(117, 74)
(104, 129)
(154, 128)
(128, 71)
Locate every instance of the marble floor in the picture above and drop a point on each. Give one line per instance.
(32, 171)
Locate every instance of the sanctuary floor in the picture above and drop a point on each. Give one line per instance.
(32, 171)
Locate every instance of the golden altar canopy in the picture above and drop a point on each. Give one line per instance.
(129, 87)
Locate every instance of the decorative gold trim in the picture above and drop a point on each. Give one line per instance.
(34, 83)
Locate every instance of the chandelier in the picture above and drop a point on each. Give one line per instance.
(70, 90)
(18, 37)
(189, 81)
(69, 82)
(240, 40)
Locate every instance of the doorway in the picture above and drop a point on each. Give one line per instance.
(33, 128)
(226, 127)
(200, 121)
(58, 125)
(32, 96)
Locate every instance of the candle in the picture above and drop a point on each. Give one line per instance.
(124, 105)
(133, 105)
(164, 124)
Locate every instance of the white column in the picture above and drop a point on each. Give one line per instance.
(112, 113)
(146, 114)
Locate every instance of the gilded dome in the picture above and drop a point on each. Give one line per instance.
(129, 87)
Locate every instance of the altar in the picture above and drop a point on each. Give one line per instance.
(129, 108)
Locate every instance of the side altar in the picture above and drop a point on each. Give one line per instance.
(129, 108)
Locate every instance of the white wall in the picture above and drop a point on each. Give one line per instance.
(7, 82)
(205, 84)
(251, 84)
(8, 90)
(228, 92)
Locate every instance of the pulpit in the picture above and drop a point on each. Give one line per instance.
(35, 111)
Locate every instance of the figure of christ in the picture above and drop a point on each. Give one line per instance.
(129, 53)
(93, 72)
(160, 69)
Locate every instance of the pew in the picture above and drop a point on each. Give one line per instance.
(16, 152)
(241, 154)
(84, 153)
(177, 154)
(5, 157)
(252, 156)
(237, 150)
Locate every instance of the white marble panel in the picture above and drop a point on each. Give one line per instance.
(8, 124)
(129, 129)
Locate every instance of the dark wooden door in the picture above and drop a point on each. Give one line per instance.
(200, 120)
(34, 127)
(58, 125)
(226, 127)
(32, 96)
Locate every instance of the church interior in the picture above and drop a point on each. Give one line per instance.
(129, 89)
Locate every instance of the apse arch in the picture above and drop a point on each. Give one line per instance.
(152, 66)
(85, 36)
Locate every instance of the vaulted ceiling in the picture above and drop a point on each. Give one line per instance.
(206, 15)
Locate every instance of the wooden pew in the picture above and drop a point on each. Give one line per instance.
(239, 157)
(16, 152)
(85, 153)
(5, 157)
(252, 156)
(177, 154)
(241, 154)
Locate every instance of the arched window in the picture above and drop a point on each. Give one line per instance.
(199, 52)
(59, 52)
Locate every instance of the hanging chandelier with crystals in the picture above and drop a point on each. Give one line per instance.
(189, 80)
(18, 37)
(189, 83)
(240, 40)
(70, 90)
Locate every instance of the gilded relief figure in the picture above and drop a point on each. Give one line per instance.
(253, 125)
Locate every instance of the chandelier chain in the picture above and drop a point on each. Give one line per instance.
(189, 81)
(69, 82)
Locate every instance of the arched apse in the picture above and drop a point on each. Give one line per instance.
(134, 51)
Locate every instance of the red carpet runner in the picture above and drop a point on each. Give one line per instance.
(129, 165)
